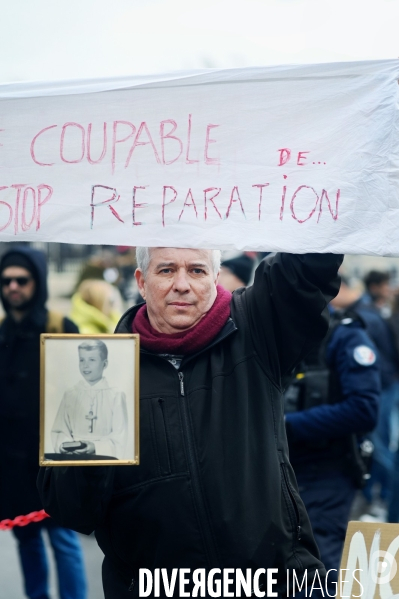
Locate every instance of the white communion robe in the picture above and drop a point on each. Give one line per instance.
(108, 409)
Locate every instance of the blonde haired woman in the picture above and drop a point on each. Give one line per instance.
(96, 307)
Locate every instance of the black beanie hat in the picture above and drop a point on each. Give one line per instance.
(241, 266)
(17, 259)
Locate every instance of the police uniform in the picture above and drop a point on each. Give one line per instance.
(323, 438)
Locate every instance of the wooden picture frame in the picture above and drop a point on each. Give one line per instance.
(89, 400)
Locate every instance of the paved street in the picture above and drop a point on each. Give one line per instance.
(11, 579)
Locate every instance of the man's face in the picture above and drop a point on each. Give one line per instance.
(17, 286)
(382, 292)
(179, 288)
(91, 365)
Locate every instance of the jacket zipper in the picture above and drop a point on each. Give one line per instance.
(161, 407)
(293, 503)
(194, 470)
(181, 377)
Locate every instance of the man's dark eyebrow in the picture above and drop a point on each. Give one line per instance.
(191, 264)
(197, 264)
(163, 264)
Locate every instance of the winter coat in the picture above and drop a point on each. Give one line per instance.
(214, 488)
(321, 438)
(382, 334)
(20, 398)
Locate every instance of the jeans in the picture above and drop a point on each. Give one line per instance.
(393, 503)
(68, 557)
(385, 439)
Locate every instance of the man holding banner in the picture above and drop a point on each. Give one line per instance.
(292, 159)
(214, 488)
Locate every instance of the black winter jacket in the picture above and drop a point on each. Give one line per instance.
(214, 487)
(20, 397)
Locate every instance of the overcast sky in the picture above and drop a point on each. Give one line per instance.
(69, 39)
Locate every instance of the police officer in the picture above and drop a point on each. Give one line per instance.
(331, 403)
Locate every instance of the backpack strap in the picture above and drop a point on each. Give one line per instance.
(55, 322)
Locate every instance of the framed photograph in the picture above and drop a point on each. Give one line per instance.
(89, 413)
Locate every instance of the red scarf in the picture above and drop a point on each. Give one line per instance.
(191, 340)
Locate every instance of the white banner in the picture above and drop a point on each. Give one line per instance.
(292, 158)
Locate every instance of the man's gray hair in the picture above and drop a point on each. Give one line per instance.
(143, 260)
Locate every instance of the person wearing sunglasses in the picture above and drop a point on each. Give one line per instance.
(23, 292)
(18, 290)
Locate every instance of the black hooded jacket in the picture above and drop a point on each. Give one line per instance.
(214, 488)
(20, 395)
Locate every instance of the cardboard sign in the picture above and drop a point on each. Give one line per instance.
(292, 158)
(370, 562)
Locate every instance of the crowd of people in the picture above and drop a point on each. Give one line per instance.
(257, 365)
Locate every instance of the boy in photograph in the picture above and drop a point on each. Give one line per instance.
(92, 417)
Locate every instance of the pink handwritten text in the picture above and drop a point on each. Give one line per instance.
(24, 211)
(72, 143)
